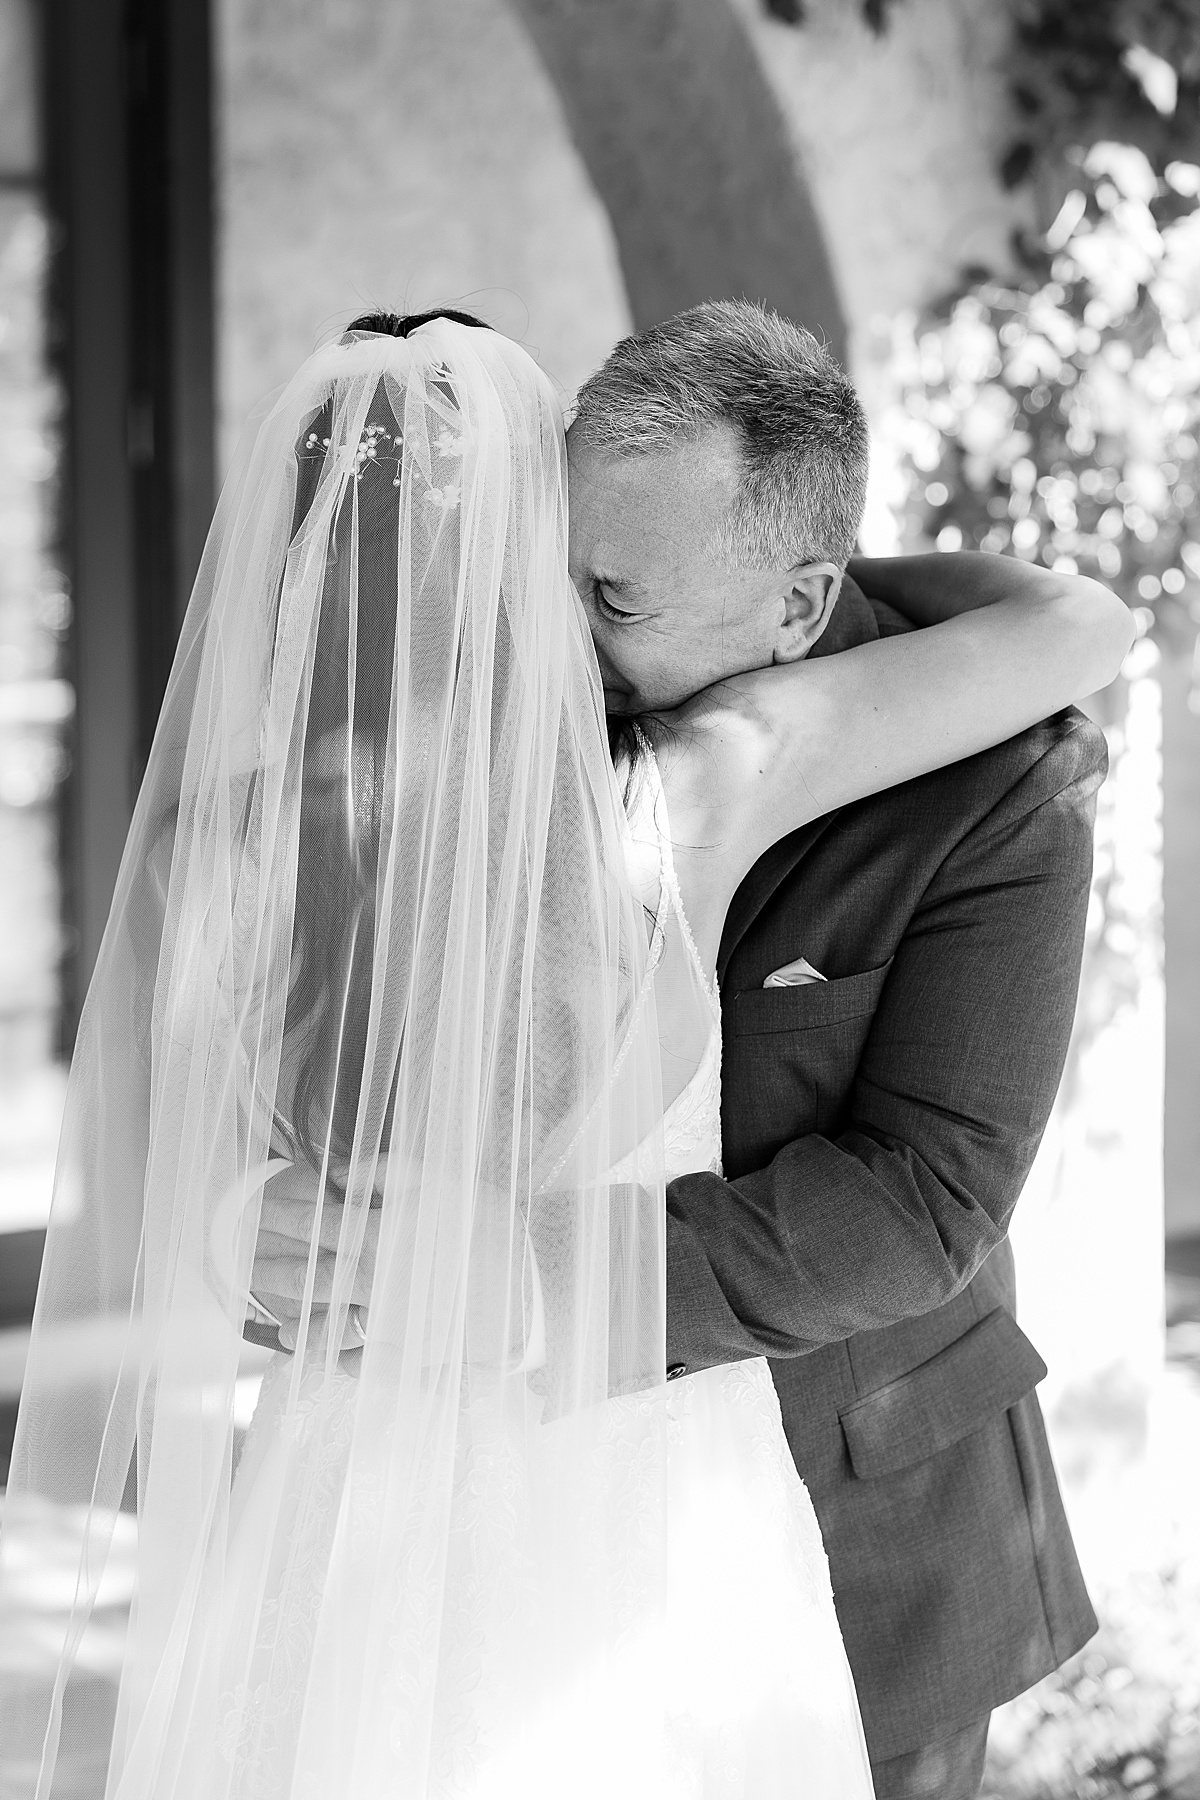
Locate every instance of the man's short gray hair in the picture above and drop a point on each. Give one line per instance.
(802, 427)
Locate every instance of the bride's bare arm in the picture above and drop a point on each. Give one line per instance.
(930, 589)
(1008, 645)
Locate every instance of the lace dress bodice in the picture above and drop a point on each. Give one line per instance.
(692, 1123)
(756, 1669)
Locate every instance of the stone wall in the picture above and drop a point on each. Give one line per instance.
(900, 135)
(397, 155)
(407, 154)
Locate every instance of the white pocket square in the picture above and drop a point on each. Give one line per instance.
(794, 974)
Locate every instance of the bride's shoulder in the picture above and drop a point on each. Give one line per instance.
(709, 758)
(717, 750)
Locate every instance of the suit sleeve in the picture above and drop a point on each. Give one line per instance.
(894, 1215)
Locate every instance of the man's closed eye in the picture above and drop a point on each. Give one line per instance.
(606, 609)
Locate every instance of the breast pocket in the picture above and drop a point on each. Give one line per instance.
(791, 1054)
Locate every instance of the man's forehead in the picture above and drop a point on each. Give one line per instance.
(712, 457)
(624, 507)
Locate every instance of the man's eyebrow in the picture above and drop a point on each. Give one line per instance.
(620, 584)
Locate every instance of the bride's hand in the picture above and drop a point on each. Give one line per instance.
(285, 1234)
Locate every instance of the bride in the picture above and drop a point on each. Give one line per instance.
(391, 927)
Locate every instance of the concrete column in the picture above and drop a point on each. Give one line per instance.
(1088, 1230)
(1180, 676)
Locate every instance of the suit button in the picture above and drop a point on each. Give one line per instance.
(676, 1370)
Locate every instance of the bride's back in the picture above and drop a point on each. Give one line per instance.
(373, 914)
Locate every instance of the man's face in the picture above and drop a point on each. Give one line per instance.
(667, 615)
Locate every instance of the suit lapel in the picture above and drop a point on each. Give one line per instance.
(853, 622)
(768, 873)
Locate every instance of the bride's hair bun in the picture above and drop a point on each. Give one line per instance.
(400, 324)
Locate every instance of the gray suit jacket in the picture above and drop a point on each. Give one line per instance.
(877, 1130)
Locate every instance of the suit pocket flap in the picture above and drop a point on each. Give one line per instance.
(807, 1008)
(984, 1372)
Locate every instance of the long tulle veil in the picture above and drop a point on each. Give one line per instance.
(373, 919)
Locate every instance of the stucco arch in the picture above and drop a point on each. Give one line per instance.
(684, 141)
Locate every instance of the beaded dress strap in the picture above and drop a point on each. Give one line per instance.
(668, 879)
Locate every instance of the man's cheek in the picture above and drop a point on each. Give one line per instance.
(613, 673)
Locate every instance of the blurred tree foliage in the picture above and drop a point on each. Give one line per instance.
(1054, 412)
(1058, 417)
(1093, 71)
(1085, 72)
(1118, 1721)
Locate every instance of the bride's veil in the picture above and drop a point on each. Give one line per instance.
(373, 920)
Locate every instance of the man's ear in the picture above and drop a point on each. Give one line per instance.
(808, 601)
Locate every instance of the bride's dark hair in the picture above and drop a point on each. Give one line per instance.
(399, 325)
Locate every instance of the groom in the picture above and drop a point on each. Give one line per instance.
(898, 982)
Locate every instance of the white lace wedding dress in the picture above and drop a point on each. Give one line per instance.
(760, 1693)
